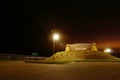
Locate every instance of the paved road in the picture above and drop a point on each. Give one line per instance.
(71, 71)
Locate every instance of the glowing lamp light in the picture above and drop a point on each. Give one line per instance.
(108, 50)
(55, 36)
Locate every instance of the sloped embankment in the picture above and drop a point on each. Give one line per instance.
(82, 55)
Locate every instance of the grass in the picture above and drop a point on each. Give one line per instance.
(49, 61)
(103, 60)
(63, 57)
(83, 55)
(67, 61)
(59, 61)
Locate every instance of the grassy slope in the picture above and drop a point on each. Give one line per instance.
(77, 56)
(82, 55)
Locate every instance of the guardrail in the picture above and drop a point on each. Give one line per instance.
(20, 57)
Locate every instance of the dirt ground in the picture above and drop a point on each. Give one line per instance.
(70, 71)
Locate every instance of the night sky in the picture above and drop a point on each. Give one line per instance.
(26, 26)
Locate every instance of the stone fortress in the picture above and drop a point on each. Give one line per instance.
(81, 52)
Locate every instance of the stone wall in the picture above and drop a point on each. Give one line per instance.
(81, 46)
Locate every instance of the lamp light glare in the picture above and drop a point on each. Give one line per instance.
(55, 36)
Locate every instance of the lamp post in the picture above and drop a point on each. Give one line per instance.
(55, 37)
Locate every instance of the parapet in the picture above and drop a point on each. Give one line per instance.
(81, 46)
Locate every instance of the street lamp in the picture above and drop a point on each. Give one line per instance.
(55, 37)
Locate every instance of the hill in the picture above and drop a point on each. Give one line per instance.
(82, 55)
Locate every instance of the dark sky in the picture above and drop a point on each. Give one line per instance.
(26, 25)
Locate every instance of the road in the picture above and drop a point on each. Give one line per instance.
(70, 71)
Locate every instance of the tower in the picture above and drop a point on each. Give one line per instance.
(67, 49)
(94, 47)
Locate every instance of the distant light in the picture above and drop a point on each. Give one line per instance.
(108, 50)
(55, 36)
